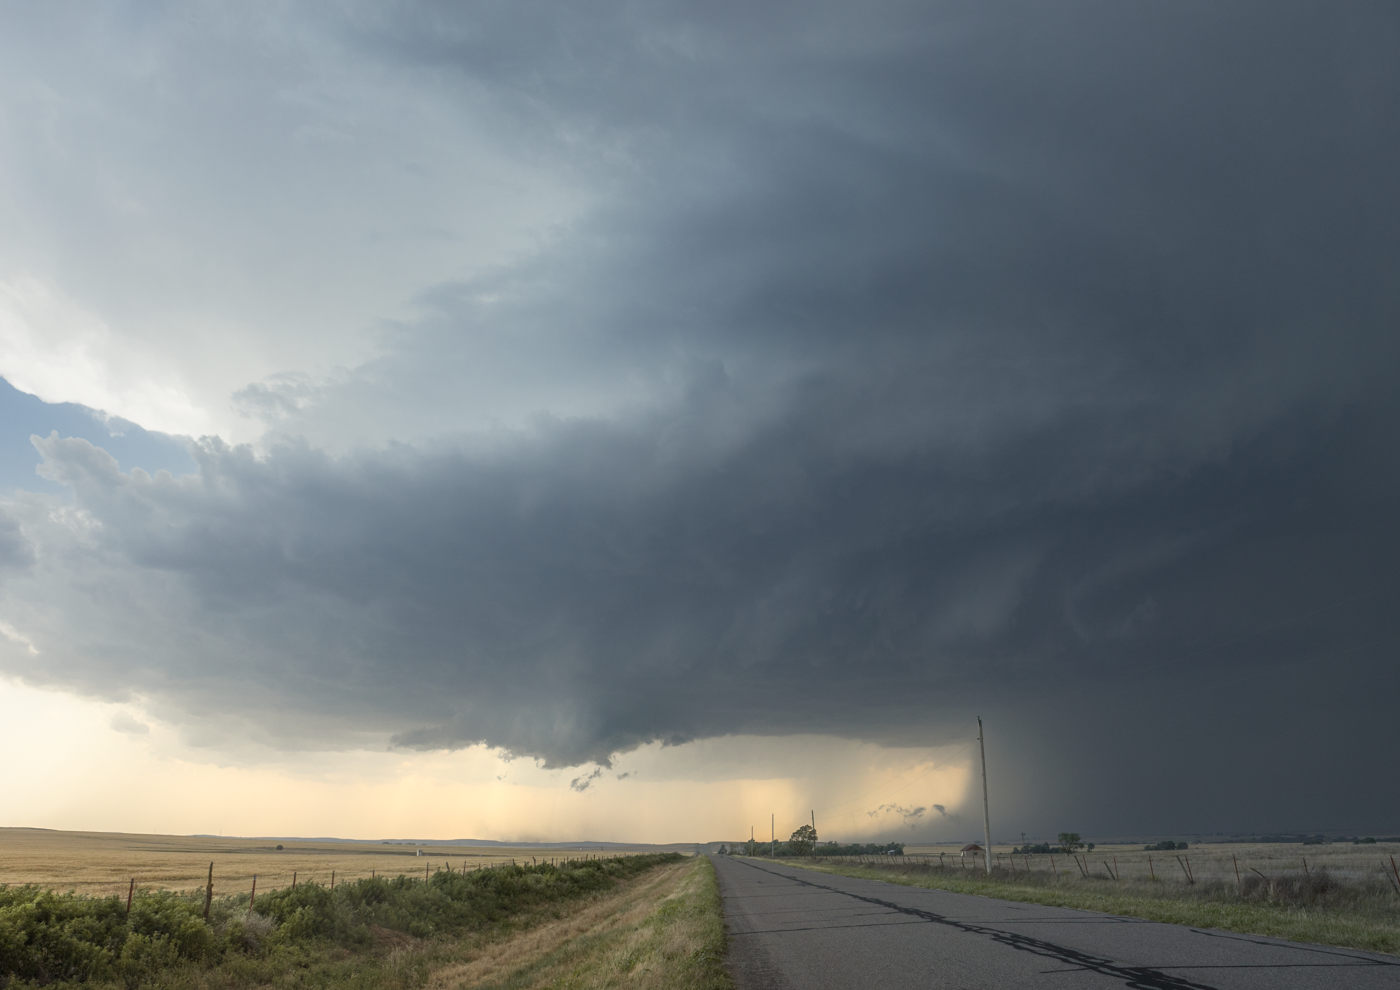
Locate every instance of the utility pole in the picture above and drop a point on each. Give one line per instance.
(773, 829)
(986, 813)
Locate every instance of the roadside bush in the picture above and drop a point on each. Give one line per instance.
(145, 955)
(246, 933)
(855, 849)
(310, 912)
(1320, 889)
(47, 937)
(446, 902)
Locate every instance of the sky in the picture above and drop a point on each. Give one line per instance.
(540, 422)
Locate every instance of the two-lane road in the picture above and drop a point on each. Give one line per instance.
(795, 929)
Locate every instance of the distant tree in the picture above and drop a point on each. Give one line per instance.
(1070, 841)
(724, 850)
(802, 841)
(858, 849)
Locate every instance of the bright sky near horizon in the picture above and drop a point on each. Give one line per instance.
(535, 422)
(121, 774)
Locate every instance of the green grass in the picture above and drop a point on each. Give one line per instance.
(705, 920)
(1317, 908)
(661, 934)
(308, 936)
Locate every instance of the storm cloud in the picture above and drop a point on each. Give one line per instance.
(905, 358)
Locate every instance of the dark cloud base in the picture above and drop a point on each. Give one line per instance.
(980, 357)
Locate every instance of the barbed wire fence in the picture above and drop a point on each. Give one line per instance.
(234, 884)
(1160, 866)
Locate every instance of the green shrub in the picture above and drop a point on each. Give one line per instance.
(47, 937)
(143, 956)
(833, 849)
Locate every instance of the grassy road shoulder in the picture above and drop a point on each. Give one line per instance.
(664, 931)
(1356, 917)
(380, 933)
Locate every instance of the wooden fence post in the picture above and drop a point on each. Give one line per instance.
(252, 898)
(129, 891)
(1237, 869)
(332, 879)
(1306, 872)
(294, 879)
(1150, 871)
(209, 892)
(1393, 884)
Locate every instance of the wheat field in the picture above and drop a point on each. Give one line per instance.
(105, 863)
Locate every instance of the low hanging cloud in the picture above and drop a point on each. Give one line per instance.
(910, 816)
(581, 784)
(129, 724)
(902, 363)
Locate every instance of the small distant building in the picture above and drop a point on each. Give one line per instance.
(971, 849)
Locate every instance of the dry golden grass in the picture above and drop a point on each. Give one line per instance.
(103, 863)
(1343, 898)
(1207, 860)
(664, 931)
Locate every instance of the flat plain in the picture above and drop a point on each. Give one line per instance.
(1336, 894)
(1206, 860)
(105, 863)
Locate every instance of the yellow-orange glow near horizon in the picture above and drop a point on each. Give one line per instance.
(107, 767)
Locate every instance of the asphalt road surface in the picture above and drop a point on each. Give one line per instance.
(795, 929)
